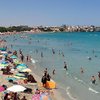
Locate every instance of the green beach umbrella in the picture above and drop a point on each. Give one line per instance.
(3, 65)
(20, 75)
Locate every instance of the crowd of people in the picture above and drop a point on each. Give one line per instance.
(13, 96)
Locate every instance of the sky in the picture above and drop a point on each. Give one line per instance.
(49, 12)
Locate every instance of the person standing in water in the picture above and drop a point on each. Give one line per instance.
(41, 54)
(99, 75)
(81, 69)
(65, 66)
(93, 79)
(53, 72)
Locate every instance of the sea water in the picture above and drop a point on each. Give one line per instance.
(74, 49)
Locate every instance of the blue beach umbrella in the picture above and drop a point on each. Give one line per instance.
(11, 78)
(22, 66)
(4, 62)
(13, 57)
(3, 49)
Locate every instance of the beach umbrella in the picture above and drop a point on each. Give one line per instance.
(3, 65)
(16, 88)
(16, 61)
(3, 52)
(13, 57)
(11, 78)
(3, 49)
(20, 75)
(2, 88)
(1, 55)
(26, 70)
(4, 62)
(22, 66)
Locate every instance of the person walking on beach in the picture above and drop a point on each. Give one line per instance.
(44, 80)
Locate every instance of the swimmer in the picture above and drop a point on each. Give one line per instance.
(82, 71)
(65, 67)
(89, 58)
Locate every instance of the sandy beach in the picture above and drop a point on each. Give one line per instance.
(53, 93)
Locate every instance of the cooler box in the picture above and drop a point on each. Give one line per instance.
(50, 84)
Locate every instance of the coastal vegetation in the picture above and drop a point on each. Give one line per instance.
(63, 28)
(15, 28)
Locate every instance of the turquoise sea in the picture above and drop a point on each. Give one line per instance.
(72, 48)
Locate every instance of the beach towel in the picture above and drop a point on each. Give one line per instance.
(36, 97)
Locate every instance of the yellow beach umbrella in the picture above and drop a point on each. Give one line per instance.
(16, 61)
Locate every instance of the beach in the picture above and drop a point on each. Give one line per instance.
(52, 50)
(53, 93)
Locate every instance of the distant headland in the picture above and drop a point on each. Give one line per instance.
(39, 29)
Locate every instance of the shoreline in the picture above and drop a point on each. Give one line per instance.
(54, 93)
(32, 32)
